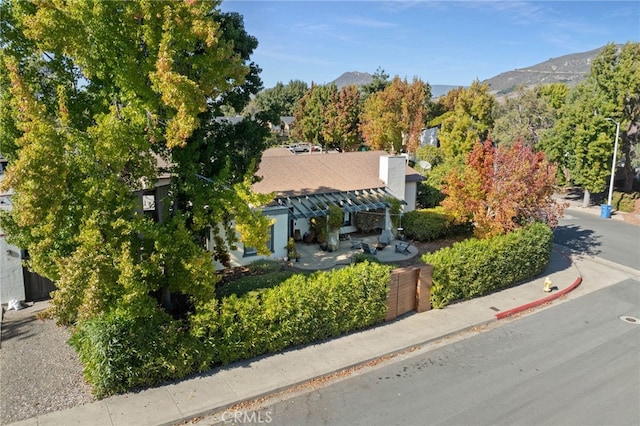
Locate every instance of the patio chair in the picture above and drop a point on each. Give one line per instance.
(402, 247)
(368, 250)
(355, 244)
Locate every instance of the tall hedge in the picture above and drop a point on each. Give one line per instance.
(123, 350)
(431, 224)
(302, 309)
(132, 348)
(476, 267)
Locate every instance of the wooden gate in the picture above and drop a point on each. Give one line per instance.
(409, 291)
(36, 287)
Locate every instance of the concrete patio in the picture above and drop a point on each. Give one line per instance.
(313, 258)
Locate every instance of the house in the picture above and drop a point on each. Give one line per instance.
(306, 185)
(429, 137)
(284, 127)
(16, 281)
(11, 273)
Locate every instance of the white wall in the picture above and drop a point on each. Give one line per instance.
(11, 275)
(280, 236)
(392, 173)
(410, 194)
(302, 225)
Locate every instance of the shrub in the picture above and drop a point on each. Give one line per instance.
(126, 349)
(252, 283)
(364, 257)
(624, 202)
(302, 309)
(475, 267)
(121, 351)
(431, 224)
(428, 196)
(264, 266)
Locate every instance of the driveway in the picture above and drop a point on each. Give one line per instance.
(39, 372)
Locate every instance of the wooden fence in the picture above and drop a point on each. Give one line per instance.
(36, 287)
(409, 290)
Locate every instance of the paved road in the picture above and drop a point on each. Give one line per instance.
(575, 363)
(614, 240)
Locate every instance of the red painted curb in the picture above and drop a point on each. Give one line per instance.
(542, 301)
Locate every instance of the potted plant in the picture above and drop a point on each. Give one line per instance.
(334, 220)
(292, 253)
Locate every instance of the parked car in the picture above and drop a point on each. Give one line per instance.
(296, 147)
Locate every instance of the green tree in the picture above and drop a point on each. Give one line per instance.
(580, 141)
(469, 122)
(310, 113)
(341, 119)
(280, 100)
(85, 139)
(615, 73)
(379, 82)
(527, 114)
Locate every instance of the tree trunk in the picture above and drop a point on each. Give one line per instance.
(628, 173)
(628, 139)
(586, 200)
(165, 298)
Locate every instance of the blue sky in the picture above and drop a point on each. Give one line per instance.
(441, 42)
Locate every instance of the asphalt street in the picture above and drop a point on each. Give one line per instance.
(588, 234)
(575, 363)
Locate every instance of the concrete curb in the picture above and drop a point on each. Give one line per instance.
(539, 302)
(560, 250)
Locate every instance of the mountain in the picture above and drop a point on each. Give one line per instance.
(353, 77)
(569, 69)
(364, 78)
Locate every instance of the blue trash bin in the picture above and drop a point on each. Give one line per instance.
(605, 211)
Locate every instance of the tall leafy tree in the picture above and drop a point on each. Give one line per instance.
(528, 114)
(280, 100)
(502, 188)
(310, 113)
(582, 140)
(126, 83)
(394, 118)
(615, 73)
(469, 122)
(580, 143)
(379, 82)
(342, 117)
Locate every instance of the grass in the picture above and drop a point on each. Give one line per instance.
(253, 283)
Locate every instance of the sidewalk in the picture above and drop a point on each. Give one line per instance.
(251, 379)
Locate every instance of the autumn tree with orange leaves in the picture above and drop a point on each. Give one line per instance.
(393, 119)
(503, 188)
(341, 119)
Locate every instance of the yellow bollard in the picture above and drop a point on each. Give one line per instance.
(547, 285)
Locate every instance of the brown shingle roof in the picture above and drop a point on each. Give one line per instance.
(305, 174)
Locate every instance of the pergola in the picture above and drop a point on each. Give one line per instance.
(314, 205)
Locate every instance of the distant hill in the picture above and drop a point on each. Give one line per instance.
(364, 78)
(569, 69)
(353, 77)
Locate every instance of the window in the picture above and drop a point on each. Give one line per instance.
(149, 205)
(252, 251)
(347, 219)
